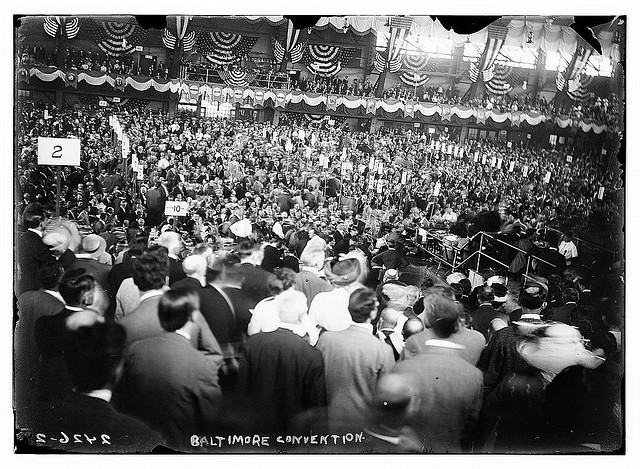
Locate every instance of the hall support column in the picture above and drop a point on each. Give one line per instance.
(464, 131)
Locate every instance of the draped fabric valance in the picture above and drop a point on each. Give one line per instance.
(317, 103)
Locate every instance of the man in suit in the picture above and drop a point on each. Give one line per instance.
(390, 258)
(32, 305)
(156, 200)
(447, 389)
(308, 280)
(173, 242)
(570, 298)
(122, 271)
(150, 272)
(93, 248)
(78, 290)
(282, 375)
(354, 360)
(93, 357)
(32, 253)
(166, 382)
(481, 318)
(255, 279)
(472, 342)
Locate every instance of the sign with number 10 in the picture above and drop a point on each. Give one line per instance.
(59, 151)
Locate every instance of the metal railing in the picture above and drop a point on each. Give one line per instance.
(453, 257)
(579, 241)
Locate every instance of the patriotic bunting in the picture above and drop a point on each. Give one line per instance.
(223, 48)
(499, 84)
(414, 79)
(496, 36)
(237, 77)
(324, 60)
(70, 26)
(577, 89)
(117, 39)
(291, 50)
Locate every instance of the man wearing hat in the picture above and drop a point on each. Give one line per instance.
(330, 310)
(93, 247)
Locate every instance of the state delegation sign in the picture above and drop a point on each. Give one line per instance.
(58, 151)
(176, 209)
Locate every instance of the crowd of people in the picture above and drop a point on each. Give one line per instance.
(287, 303)
(84, 60)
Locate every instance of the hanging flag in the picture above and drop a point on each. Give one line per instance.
(409, 109)
(601, 192)
(258, 97)
(216, 93)
(332, 102)
(119, 82)
(525, 171)
(23, 74)
(499, 163)
(484, 159)
(547, 177)
(446, 112)
(71, 79)
(512, 165)
(476, 156)
(569, 159)
(493, 161)
(238, 95)
(281, 98)
(237, 77)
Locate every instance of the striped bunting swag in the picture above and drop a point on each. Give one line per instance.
(499, 84)
(70, 26)
(236, 77)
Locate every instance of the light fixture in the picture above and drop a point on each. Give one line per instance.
(309, 30)
(524, 85)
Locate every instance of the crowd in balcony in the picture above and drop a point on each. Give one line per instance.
(601, 109)
(92, 61)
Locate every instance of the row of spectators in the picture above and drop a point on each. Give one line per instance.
(601, 109)
(92, 61)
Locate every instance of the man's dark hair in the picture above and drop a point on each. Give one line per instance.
(92, 355)
(486, 295)
(74, 284)
(50, 274)
(570, 294)
(361, 303)
(533, 297)
(176, 307)
(138, 246)
(33, 215)
(150, 270)
(444, 317)
(280, 280)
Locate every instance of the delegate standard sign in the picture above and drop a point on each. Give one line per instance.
(59, 151)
